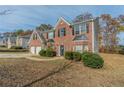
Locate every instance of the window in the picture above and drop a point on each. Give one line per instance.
(35, 37)
(76, 29)
(80, 28)
(85, 47)
(81, 48)
(62, 32)
(78, 48)
(83, 27)
(50, 35)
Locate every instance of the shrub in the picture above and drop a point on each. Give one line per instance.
(16, 47)
(48, 53)
(92, 60)
(14, 50)
(2, 46)
(42, 52)
(121, 52)
(68, 55)
(76, 56)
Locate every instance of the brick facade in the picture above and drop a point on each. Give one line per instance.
(67, 41)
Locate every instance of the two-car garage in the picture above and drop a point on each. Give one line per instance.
(35, 50)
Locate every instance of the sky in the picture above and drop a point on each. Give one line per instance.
(28, 17)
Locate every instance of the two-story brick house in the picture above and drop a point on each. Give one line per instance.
(65, 36)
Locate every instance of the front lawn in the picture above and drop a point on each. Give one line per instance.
(61, 72)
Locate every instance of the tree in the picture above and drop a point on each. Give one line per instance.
(121, 19)
(19, 31)
(83, 17)
(44, 27)
(109, 31)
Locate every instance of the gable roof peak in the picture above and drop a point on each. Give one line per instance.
(63, 19)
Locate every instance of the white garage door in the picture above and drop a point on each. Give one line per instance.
(38, 50)
(35, 50)
(32, 49)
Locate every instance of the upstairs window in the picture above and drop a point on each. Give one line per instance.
(83, 27)
(62, 32)
(80, 28)
(50, 35)
(35, 37)
(76, 29)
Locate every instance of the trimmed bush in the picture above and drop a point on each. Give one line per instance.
(76, 56)
(15, 50)
(68, 55)
(48, 53)
(92, 60)
(16, 47)
(42, 52)
(121, 52)
(2, 46)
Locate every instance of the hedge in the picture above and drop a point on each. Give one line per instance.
(47, 53)
(15, 50)
(121, 52)
(42, 52)
(2, 46)
(68, 55)
(16, 47)
(50, 53)
(92, 60)
(76, 56)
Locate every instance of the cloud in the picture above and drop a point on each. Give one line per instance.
(34, 15)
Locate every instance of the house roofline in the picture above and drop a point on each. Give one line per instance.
(61, 18)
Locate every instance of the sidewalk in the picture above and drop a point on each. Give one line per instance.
(43, 59)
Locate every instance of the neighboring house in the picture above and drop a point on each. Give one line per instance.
(80, 37)
(3, 41)
(22, 41)
(11, 41)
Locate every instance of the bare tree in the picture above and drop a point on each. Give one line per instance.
(109, 31)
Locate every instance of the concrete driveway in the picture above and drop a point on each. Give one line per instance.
(14, 55)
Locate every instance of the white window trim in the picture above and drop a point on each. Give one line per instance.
(93, 49)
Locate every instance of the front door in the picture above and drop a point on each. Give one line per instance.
(61, 50)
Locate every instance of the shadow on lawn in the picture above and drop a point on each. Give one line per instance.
(54, 71)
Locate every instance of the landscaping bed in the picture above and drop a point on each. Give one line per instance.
(13, 50)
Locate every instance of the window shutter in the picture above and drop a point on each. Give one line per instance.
(58, 33)
(64, 31)
(54, 34)
(72, 31)
(47, 35)
(87, 28)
